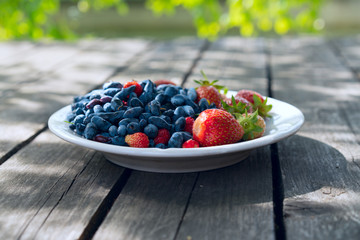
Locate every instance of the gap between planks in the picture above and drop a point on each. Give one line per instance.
(277, 181)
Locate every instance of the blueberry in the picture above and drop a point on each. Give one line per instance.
(143, 123)
(70, 117)
(72, 126)
(151, 143)
(176, 140)
(107, 107)
(111, 91)
(193, 105)
(183, 92)
(79, 111)
(135, 102)
(178, 100)
(113, 131)
(189, 111)
(166, 118)
(112, 85)
(154, 107)
(101, 123)
(146, 97)
(149, 86)
(160, 145)
(79, 128)
(121, 131)
(116, 104)
(203, 104)
(95, 96)
(180, 124)
(186, 136)
(191, 93)
(133, 127)
(151, 130)
(171, 91)
(79, 119)
(125, 92)
(98, 109)
(133, 112)
(145, 116)
(159, 122)
(161, 98)
(117, 140)
(90, 131)
(168, 113)
(179, 112)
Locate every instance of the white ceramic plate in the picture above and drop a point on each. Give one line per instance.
(285, 121)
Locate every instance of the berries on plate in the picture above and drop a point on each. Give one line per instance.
(191, 143)
(209, 90)
(256, 100)
(137, 140)
(216, 127)
(253, 125)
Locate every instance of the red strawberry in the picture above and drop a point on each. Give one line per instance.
(137, 140)
(164, 81)
(256, 100)
(138, 89)
(189, 124)
(191, 143)
(253, 125)
(209, 90)
(216, 127)
(162, 137)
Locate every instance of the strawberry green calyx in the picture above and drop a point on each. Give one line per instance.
(250, 124)
(234, 108)
(261, 106)
(207, 82)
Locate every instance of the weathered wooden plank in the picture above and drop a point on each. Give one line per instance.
(168, 60)
(235, 202)
(320, 165)
(236, 62)
(9, 49)
(25, 110)
(349, 49)
(150, 206)
(50, 189)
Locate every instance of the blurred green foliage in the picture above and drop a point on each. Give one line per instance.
(37, 19)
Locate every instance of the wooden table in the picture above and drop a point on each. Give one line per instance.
(304, 187)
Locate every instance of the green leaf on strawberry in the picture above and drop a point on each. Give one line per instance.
(261, 106)
(207, 82)
(250, 124)
(239, 107)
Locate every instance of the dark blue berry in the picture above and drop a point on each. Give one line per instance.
(133, 127)
(151, 130)
(112, 131)
(135, 102)
(121, 131)
(159, 122)
(180, 124)
(98, 109)
(90, 131)
(178, 100)
(154, 107)
(101, 123)
(133, 112)
(112, 85)
(125, 92)
(116, 104)
(117, 140)
(176, 140)
(191, 93)
(171, 91)
(111, 91)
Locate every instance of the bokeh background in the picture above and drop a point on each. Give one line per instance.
(162, 19)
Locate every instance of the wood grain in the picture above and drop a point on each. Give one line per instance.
(28, 104)
(320, 165)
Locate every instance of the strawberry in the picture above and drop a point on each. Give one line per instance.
(138, 89)
(191, 143)
(256, 100)
(189, 122)
(237, 105)
(137, 140)
(209, 90)
(163, 136)
(216, 127)
(163, 81)
(253, 125)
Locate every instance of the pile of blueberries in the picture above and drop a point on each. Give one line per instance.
(109, 114)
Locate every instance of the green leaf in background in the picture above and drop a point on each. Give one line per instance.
(38, 19)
